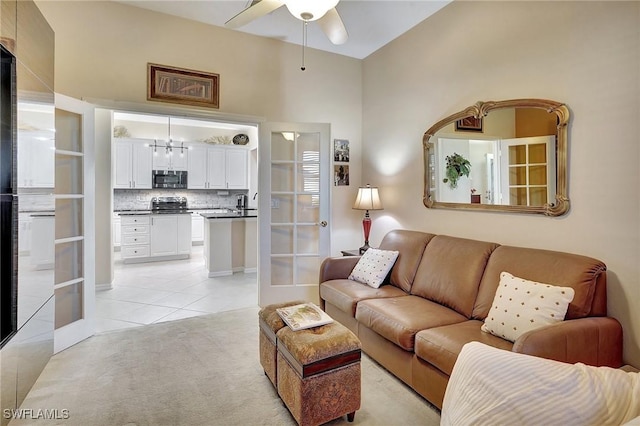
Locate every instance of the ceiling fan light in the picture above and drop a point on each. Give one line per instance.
(310, 10)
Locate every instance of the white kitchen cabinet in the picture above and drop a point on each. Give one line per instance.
(218, 168)
(184, 234)
(175, 159)
(147, 238)
(237, 175)
(36, 162)
(117, 231)
(164, 235)
(24, 233)
(134, 237)
(132, 164)
(43, 234)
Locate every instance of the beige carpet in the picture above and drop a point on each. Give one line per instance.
(196, 371)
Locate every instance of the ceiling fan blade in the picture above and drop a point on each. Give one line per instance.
(333, 27)
(255, 11)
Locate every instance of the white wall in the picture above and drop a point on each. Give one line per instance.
(585, 54)
(102, 51)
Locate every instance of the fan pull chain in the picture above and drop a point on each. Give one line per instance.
(304, 42)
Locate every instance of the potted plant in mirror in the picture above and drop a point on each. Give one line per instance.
(457, 166)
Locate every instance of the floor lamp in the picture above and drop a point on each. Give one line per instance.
(367, 199)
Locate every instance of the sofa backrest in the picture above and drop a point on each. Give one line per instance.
(585, 275)
(450, 272)
(411, 245)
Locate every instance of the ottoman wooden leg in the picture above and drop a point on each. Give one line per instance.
(351, 416)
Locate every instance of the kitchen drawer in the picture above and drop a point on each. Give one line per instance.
(135, 239)
(135, 220)
(134, 229)
(134, 251)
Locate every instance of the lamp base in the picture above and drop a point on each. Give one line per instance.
(364, 248)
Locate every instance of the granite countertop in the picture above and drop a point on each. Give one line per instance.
(42, 214)
(231, 214)
(209, 213)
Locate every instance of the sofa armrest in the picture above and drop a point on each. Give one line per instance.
(335, 268)
(592, 340)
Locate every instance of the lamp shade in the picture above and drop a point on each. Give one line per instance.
(368, 198)
(310, 10)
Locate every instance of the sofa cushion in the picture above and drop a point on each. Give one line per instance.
(411, 245)
(550, 267)
(440, 346)
(398, 319)
(373, 267)
(345, 294)
(450, 272)
(521, 305)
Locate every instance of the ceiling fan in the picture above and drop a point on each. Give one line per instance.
(323, 11)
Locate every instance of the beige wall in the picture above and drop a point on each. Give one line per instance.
(102, 50)
(585, 54)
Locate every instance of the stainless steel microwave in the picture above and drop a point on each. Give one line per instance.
(174, 179)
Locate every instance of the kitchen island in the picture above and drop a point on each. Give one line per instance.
(230, 241)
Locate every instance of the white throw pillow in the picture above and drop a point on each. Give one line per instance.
(521, 305)
(373, 266)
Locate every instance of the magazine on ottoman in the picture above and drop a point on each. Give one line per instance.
(304, 315)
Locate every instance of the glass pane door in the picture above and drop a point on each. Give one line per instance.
(293, 217)
(528, 171)
(74, 285)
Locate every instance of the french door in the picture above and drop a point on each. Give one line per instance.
(74, 225)
(527, 170)
(294, 210)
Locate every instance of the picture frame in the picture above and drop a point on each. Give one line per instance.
(469, 124)
(341, 175)
(182, 86)
(341, 150)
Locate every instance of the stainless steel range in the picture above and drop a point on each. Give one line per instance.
(169, 205)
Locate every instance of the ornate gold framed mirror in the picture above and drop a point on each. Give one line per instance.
(508, 156)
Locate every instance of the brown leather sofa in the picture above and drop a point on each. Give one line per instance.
(441, 289)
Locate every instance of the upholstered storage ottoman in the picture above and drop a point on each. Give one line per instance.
(319, 373)
(270, 322)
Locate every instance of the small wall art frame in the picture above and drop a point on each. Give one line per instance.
(341, 174)
(341, 150)
(182, 86)
(469, 124)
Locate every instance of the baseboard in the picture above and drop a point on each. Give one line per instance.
(104, 286)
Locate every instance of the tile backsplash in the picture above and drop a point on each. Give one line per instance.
(140, 199)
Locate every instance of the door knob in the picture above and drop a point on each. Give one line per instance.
(323, 223)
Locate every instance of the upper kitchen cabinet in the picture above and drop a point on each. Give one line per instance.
(36, 131)
(132, 164)
(203, 147)
(170, 156)
(217, 167)
(237, 172)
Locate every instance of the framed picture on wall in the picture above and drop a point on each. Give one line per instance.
(341, 150)
(182, 86)
(341, 175)
(469, 124)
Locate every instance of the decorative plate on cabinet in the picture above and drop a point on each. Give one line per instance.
(240, 139)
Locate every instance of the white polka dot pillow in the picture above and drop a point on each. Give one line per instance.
(373, 266)
(521, 305)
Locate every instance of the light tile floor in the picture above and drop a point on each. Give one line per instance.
(146, 293)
